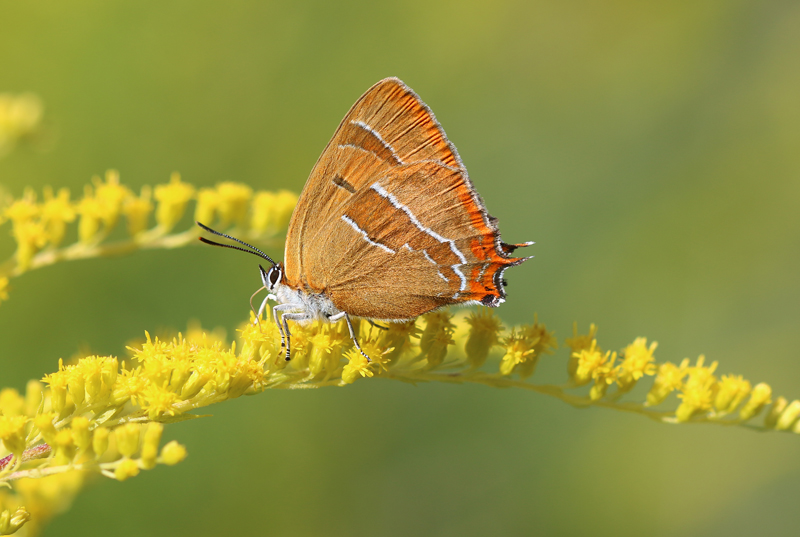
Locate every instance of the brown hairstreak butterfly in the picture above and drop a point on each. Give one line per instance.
(388, 226)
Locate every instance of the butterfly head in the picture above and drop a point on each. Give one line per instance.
(271, 277)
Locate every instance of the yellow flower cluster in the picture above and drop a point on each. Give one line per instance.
(20, 116)
(53, 436)
(524, 347)
(703, 396)
(40, 227)
(103, 416)
(588, 363)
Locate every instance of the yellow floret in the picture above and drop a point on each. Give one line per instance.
(233, 200)
(789, 416)
(159, 400)
(173, 453)
(127, 468)
(698, 392)
(759, 398)
(11, 402)
(206, 208)
(172, 199)
(111, 196)
(10, 522)
(127, 437)
(152, 438)
(588, 361)
(31, 237)
(732, 391)
(519, 350)
(92, 212)
(137, 211)
(100, 441)
(265, 214)
(356, 365)
(668, 379)
(57, 212)
(12, 433)
(484, 334)
(604, 375)
(637, 361)
(23, 209)
(80, 432)
(577, 343)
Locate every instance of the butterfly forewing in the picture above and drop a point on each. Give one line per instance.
(388, 224)
(387, 126)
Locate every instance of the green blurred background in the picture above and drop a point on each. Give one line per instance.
(649, 148)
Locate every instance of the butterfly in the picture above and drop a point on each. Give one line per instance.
(388, 226)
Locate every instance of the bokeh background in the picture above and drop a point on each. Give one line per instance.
(649, 148)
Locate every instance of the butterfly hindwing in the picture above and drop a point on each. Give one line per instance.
(420, 236)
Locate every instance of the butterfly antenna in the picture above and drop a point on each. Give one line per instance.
(253, 250)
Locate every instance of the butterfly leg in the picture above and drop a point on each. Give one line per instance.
(376, 325)
(294, 316)
(284, 336)
(346, 317)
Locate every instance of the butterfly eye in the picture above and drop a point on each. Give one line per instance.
(274, 276)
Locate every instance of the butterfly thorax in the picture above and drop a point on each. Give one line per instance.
(316, 306)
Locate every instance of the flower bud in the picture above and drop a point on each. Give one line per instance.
(789, 416)
(77, 389)
(12, 433)
(80, 432)
(759, 398)
(11, 522)
(126, 468)
(44, 422)
(173, 453)
(152, 437)
(127, 437)
(771, 419)
(100, 441)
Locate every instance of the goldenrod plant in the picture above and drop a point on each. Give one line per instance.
(39, 226)
(106, 416)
